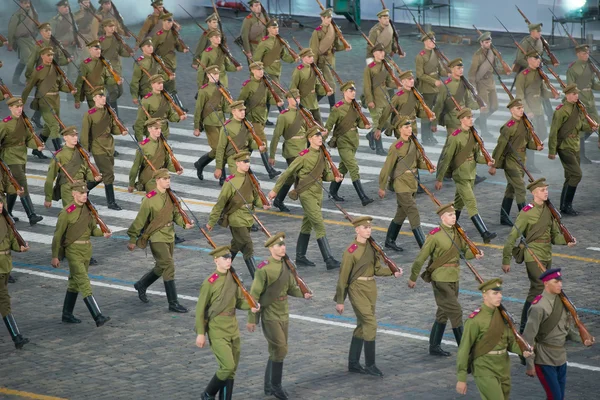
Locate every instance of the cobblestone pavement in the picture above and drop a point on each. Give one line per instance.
(147, 352)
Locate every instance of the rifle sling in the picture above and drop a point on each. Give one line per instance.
(164, 217)
(491, 337)
(550, 323)
(246, 191)
(224, 299)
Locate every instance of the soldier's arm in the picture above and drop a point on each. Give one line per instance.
(513, 345)
(224, 196)
(260, 51)
(571, 75)
(201, 308)
(178, 218)
(219, 160)
(520, 226)
(471, 102)
(79, 82)
(198, 111)
(499, 151)
(420, 72)
(201, 74)
(380, 269)
(341, 289)
(521, 60)
(444, 163)
(256, 201)
(62, 85)
(534, 320)
(145, 29)
(331, 119)
(30, 140)
(328, 173)
(240, 300)
(133, 172)
(385, 117)
(470, 333)
(314, 44)
(245, 35)
(29, 87)
(421, 164)
(557, 122)
(368, 85)
(48, 186)
(172, 116)
(373, 34)
(84, 136)
(169, 163)
(12, 29)
(138, 126)
(438, 107)
(138, 223)
(479, 158)
(87, 172)
(59, 231)
(134, 86)
(94, 228)
(291, 170)
(245, 93)
(426, 251)
(595, 84)
(337, 44)
(556, 234)
(295, 83)
(33, 57)
(258, 285)
(520, 87)
(286, 56)
(384, 174)
(293, 289)
(474, 66)
(280, 126)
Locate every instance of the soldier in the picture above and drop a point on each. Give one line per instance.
(376, 80)
(345, 137)
(62, 28)
(15, 138)
(86, 21)
(443, 246)
(253, 27)
(481, 74)
(292, 127)
(71, 239)
(97, 130)
(580, 73)
(360, 265)
(484, 345)
(155, 105)
(549, 326)
(92, 74)
(305, 80)
(113, 50)
(460, 158)
(398, 175)
(234, 209)
(209, 115)
(509, 155)
(48, 83)
(324, 42)
(213, 25)
(213, 55)
(429, 71)
(541, 231)
(154, 223)
(8, 243)
(144, 68)
(308, 170)
(273, 284)
(215, 316)
(151, 25)
(35, 57)
(567, 125)
(106, 11)
(256, 96)
(19, 37)
(166, 43)
(382, 33)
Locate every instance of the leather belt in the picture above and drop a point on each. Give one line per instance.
(470, 158)
(253, 41)
(521, 150)
(168, 224)
(450, 265)
(497, 352)
(409, 171)
(365, 278)
(81, 242)
(5, 252)
(51, 93)
(228, 313)
(282, 298)
(542, 241)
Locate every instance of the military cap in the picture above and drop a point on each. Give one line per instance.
(377, 47)
(147, 41)
(295, 93)
(540, 182)
(221, 251)
(166, 16)
(14, 102)
(78, 186)
(45, 26)
(535, 27)
(493, 284)
(212, 33)
(256, 65)
(211, 17)
(62, 3)
(158, 78)
(552, 273)
(161, 173)
(241, 156)
(278, 238)
(485, 36)
(109, 22)
(348, 85)
(253, 2)
(570, 88)
(403, 120)
(428, 35)
(328, 12)
(445, 208)
(383, 13)
(582, 48)
(306, 52)
(69, 130)
(465, 112)
(156, 3)
(516, 102)
(532, 53)
(98, 91)
(152, 122)
(313, 131)
(213, 69)
(457, 62)
(94, 43)
(272, 23)
(104, 1)
(364, 220)
(47, 51)
(237, 105)
(406, 75)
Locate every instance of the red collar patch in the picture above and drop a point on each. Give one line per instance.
(474, 313)
(230, 177)
(301, 66)
(148, 95)
(91, 111)
(400, 93)
(527, 207)
(511, 123)
(203, 86)
(71, 208)
(399, 144)
(262, 264)
(87, 60)
(456, 132)
(143, 142)
(559, 106)
(435, 230)
(372, 64)
(422, 53)
(40, 67)
(319, 28)
(208, 49)
(213, 278)
(140, 58)
(265, 38)
(245, 82)
(352, 248)
(537, 299)
(303, 152)
(284, 111)
(448, 80)
(101, 38)
(7, 119)
(526, 71)
(151, 194)
(160, 32)
(339, 103)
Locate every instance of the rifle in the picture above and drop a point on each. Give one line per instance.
(401, 52)
(337, 29)
(385, 63)
(28, 125)
(166, 95)
(11, 223)
(115, 12)
(505, 66)
(224, 41)
(478, 139)
(583, 332)
(11, 177)
(553, 59)
(316, 70)
(3, 39)
(115, 34)
(285, 44)
(75, 27)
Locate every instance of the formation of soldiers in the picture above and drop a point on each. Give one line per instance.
(438, 92)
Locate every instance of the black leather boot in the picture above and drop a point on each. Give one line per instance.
(333, 191)
(251, 265)
(371, 138)
(479, 179)
(568, 202)
(200, 164)
(390, 237)
(68, 307)
(270, 170)
(43, 138)
(458, 332)
(301, 248)
(172, 298)
(435, 340)
(330, 262)
(562, 197)
(57, 143)
(16, 79)
(15, 334)
(91, 185)
(356, 346)
(379, 147)
(226, 391)
(11, 199)
(267, 386)
(521, 205)
(524, 316)
(36, 118)
(223, 176)
(505, 212)
(364, 199)
(30, 211)
(212, 388)
(110, 197)
(92, 306)
(370, 367)
(276, 377)
(457, 213)
(419, 236)
(486, 235)
(179, 239)
(144, 283)
(279, 199)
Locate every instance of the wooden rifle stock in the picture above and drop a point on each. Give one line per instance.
(419, 97)
(11, 223)
(317, 71)
(394, 34)
(553, 58)
(125, 45)
(162, 64)
(169, 98)
(309, 118)
(115, 118)
(174, 160)
(88, 161)
(507, 69)
(177, 204)
(337, 29)
(64, 76)
(30, 128)
(593, 124)
(270, 89)
(11, 177)
(334, 169)
(386, 63)
(285, 44)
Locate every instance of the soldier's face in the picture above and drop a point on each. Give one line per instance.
(256, 8)
(517, 111)
(278, 250)
(25, 4)
(213, 78)
(350, 94)
(458, 70)
(572, 97)
(167, 24)
(363, 231)
(448, 218)
(316, 140)
(492, 298)
(70, 140)
(223, 263)
(109, 30)
(80, 197)
(405, 132)
(540, 194)
(486, 44)
(308, 59)
(243, 166)
(95, 52)
(326, 21)
(238, 114)
(408, 83)
(158, 87)
(384, 21)
(273, 30)
(467, 121)
(47, 59)
(258, 73)
(163, 183)
(154, 132)
(534, 62)
(536, 34)
(64, 10)
(159, 10)
(379, 55)
(148, 49)
(553, 286)
(16, 111)
(213, 24)
(106, 7)
(85, 3)
(215, 40)
(583, 55)
(429, 44)
(46, 33)
(100, 100)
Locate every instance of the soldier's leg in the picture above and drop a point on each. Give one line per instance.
(260, 131)
(573, 175)
(163, 260)
(465, 188)
(78, 256)
(509, 194)
(312, 202)
(395, 225)
(446, 297)
(106, 165)
(212, 134)
(276, 334)
(439, 325)
(20, 173)
(426, 133)
(241, 241)
(317, 116)
(553, 380)
(535, 288)
(489, 387)
(5, 312)
(223, 349)
(348, 155)
(4, 296)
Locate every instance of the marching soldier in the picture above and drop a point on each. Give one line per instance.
(71, 239)
(155, 105)
(144, 68)
(305, 80)
(256, 96)
(209, 115)
(106, 11)
(253, 27)
(481, 74)
(213, 25)
(15, 138)
(443, 246)
(376, 80)
(215, 316)
(35, 57)
(272, 285)
(151, 24)
(213, 55)
(360, 265)
(19, 37)
(291, 126)
(154, 224)
(92, 74)
(113, 50)
(429, 71)
(541, 231)
(62, 28)
(86, 21)
(484, 347)
(509, 155)
(549, 326)
(324, 43)
(382, 33)
(580, 73)
(460, 158)
(398, 175)
(346, 120)
(308, 170)
(568, 123)
(98, 128)
(234, 209)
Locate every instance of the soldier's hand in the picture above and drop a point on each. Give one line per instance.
(492, 171)
(272, 162)
(24, 248)
(189, 226)
(329, 93)
(589, 342)
(183, 117)
(73, 92)
(40, 148)
(349, 47)
(195, 67)
(239, 68)
(125, 132)
(208, 227)
(197, 132)
(201, 341)
(218, 173)
(172, 77)
(130, 189)
(368, 126)
(108, 235)
(297, 59)
(262, 148)
(371, 104)
(255, 310)
(381, 193)
(280, 104)
(251, 327)
(98, 178)
(180, 171)
(461, 387)
(266, 206)
(377, 134)
(308, 296)
(530, 373)
(6, 96)
(338, 179)
(573, 243)
(271, 195)
(556, 96)
(540, 148)
(47, 204)
(433, 126)
(528, 354)
(77, 106)
(491, 163)
(438, 185)
(135, 101)
(339, 308)
(552, 156)
(480, 255)
(483, 109)
(438, 83)
(20, 193)
(412, 284)
(506, 268)
(398, 274)
(186, 50)
(55, 262)
(9, 48)
(131, 246)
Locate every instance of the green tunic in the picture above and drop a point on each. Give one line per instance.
(140, 83)
(456, 142)
(256, 105)
(7, 243)
(64, 156)
(102, 143)
(294, 142)
(19, 37)
(445, 110)
(35, 58)
(581, 73)
(428, 69)
(516, 133)
(158, 107)
(570, 140)
(242, 216)
(149, 146)
(305, 80)
(113, 50)
(397, 168)
(152, 205)
(16, 152)
(384, 35)
(531, 88)
(96, 73)
(215, 56)
(407, 105)
(203, 43)
(324, 43)
(528, 43)
(254, 28)
(204, 115)
(165, 45)
(372, 76)
(225, 150)
(271, 52)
